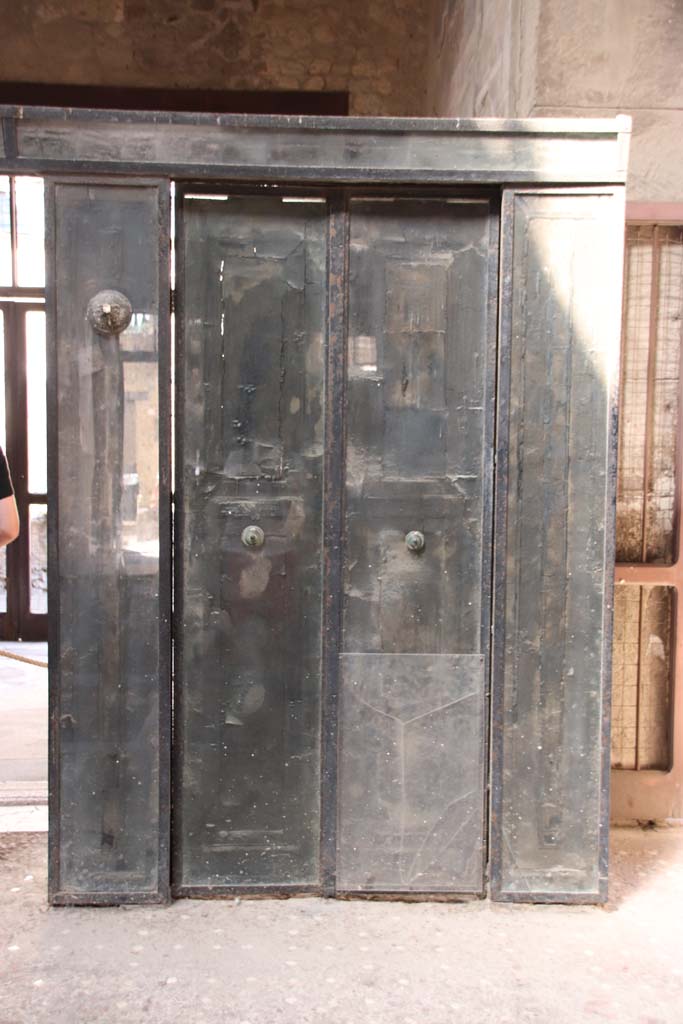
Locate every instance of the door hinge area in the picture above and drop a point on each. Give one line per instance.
(173, 301)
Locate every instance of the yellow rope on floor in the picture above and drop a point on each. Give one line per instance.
(20, 657)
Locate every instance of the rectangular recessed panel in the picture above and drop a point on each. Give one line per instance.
(109, 598)
(30, 232)
(253, 281)
(412, 772)
(415, 619)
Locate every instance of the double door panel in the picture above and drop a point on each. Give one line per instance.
(402, 716)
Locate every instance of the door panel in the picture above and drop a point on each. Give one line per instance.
(249, 618)
(411, 793)
(109, 556)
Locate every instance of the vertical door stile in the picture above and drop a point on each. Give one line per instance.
(489, 500)
(176, 824)
(335, 432)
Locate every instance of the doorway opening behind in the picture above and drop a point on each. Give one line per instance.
(23, 566)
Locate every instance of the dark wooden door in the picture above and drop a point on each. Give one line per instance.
(249, 603)
(406, 713)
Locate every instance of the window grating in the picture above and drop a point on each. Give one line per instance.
(641, 688)
(653, 315)
(647, 488)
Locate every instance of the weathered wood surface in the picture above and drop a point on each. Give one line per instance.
(418, 402)
(561, 272)
(106, 662)
(253, 281)
(411, 772)
(325, 149)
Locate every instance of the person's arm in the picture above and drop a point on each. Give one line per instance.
(9, 516)
(9, 520)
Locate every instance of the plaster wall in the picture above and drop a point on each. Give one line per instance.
(538, 58)
(613, 57)
(374, 49)
(482, 58)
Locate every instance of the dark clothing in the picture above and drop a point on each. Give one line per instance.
(6, 489)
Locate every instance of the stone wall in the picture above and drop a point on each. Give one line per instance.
(374, 49)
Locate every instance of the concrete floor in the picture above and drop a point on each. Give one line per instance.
(310, 960)
(23, 726)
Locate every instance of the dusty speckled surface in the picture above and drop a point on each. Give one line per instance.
(310, 960)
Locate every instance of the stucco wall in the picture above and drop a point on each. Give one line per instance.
(593, 58)
(612, 57)
(482, 58)
(374, 49)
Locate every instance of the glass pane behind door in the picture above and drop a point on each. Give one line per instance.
(30, 232)
(35, 396)
(38, 559)
(413, 693)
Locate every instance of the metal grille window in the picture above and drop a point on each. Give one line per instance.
(648, 505)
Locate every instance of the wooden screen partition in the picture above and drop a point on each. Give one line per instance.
(336, 368)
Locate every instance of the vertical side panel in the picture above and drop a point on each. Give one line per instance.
(109, 545)
(561, 263)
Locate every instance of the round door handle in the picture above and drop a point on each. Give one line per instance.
(253, 537)
(415, 541)
(109, 312)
